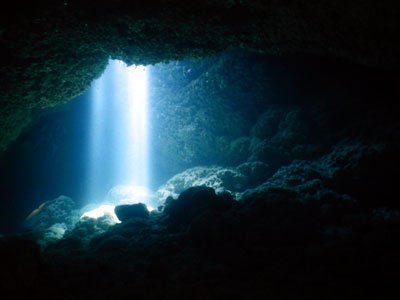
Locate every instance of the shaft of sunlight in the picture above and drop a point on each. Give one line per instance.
(96, 129)
(118, 139)
(131, 138)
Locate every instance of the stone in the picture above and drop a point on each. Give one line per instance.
(128, 211)
(59, 210)
(48, 223)
(219, 178)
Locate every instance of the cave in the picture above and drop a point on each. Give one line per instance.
(215, 149)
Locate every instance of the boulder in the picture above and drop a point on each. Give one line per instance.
(59, 210)
(125, 212)
(219, 178)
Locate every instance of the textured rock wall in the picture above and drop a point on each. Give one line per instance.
(199, 108)
(52, 50)
(241, 106)
(299, 233)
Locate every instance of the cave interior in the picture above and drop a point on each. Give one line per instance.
(267, 154)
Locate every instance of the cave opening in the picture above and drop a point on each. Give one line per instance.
(269, 149)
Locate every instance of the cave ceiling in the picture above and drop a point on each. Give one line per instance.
(52, 50)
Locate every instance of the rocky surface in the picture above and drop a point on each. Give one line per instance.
(242, 107)
(49, 222)
(305, 233)
(221, 179)
(227, 110)
(52, 50)
(283, 170)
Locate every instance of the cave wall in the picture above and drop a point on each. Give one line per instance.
(226, 110)
(52, 50)
(244, 107)
(322, 226)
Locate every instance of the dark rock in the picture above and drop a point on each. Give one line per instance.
(59, 210)
(238, 150)
(83, 40)
(293, 130)
(231, 180)
(112, 243)
(267, 152)
(195, 201)
(125, 212)
(210, 229)
(267, 124)
(256, 172)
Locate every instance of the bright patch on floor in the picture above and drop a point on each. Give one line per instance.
(100, 212)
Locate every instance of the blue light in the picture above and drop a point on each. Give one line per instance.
(95, 154)
(118, 141)
(131, 122)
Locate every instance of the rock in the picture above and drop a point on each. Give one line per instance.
(267, 124)
(125, 212)
(238, 150)
(267, 152)
(199, 134)
(256, 172)
(59, 210)
(48, 223)
(367, 172)
(113, 243)
(210, 228)
(349, 176)
(219, 178)
(306, 151)
(54, 232)
(195, 201)
(231, 180)
(80, 236)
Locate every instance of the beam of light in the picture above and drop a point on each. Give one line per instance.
(97, 95)
(131, 138)
(118, 134)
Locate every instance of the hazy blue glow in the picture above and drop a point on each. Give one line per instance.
(96, 134)
(131, 138)
(118, 134)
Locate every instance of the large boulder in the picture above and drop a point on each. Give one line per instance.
(126, 212)
(218, 178)
(59, 210)
(51, 220)
(221, 179)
